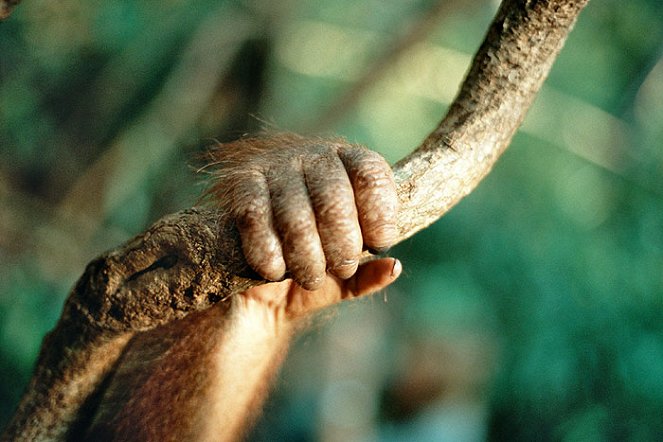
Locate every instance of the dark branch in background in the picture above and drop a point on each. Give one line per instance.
(417, 31)
(191, 260)
(204, 60)
(6, 7)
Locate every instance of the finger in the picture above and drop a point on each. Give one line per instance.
(375, 195)
(252, 210)
(295, 223)
(335, 212)
(369, 278)
(372, 277)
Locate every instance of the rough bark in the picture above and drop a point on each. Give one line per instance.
(191, 260)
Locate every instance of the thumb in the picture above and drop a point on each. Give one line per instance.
(371, 277)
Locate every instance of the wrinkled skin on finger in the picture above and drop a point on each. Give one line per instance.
(305, 207)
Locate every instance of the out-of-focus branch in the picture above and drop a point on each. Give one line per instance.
(6, 7)
(67, 240)
(132, 155)
(417, 31)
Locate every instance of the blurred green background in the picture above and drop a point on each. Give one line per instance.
(532, 311)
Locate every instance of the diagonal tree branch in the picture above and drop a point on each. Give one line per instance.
(191, 260)
(418, 30)
(506, 74)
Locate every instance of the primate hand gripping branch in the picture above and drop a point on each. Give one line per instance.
(305, 205)
(167, 338)
(304, 208)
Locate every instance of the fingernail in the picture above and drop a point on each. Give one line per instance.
(396, 269)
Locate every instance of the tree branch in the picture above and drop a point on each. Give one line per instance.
(191, 260)
(506, 74)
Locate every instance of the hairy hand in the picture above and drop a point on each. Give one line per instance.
(308, 206)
